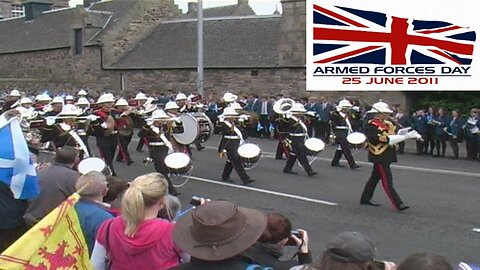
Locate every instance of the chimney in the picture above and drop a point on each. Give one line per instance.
(88, 3)
(243, 2)
(34, 8)
(192, 7)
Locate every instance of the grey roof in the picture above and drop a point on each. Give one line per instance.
(51, 30)
(118, 8)
(224, 11)
(229, 42)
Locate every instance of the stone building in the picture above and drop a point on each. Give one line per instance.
(15, 8)
(126, 45)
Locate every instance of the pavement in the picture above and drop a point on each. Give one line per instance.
(443, 195)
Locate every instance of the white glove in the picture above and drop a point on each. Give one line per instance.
(50, 120)
(104, 125)
(413, 135)
(177, 120)
(65, 127)
(155, 129)
(221, 118)
(243, 117)
(395, 139)
(311, 113)
(92, 117)
(288, 115)
(241, 120)
(403, 131)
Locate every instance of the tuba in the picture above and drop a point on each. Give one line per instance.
(283, 106)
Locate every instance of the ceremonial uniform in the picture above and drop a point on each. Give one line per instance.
(124, 125)
(229, 143)
(107, 142)
(296, 142)
(342, 127)
(282, 149)
(381, 154)
(159, 148)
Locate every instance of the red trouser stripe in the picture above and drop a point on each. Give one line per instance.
(386, 186)
(120, 149)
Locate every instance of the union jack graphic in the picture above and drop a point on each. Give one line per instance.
(351, 36)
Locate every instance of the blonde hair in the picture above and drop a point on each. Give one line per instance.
(145, 191)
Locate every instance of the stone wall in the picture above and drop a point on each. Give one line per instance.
(54, 69)
(293, 37)
(58, 70)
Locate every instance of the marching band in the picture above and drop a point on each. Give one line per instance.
(172, 125)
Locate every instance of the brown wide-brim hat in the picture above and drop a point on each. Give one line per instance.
(218, 230)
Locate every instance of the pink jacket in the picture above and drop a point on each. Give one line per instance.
(151, 247)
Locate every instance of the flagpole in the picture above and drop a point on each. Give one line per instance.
(200, 47)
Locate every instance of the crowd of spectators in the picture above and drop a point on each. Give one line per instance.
(148, 230)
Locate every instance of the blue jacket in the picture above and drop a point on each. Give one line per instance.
(91, 215)
(444, 122)
(323, 111)
(455, 126)
(420, 124)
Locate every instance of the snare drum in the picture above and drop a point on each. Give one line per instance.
(249, 154)
(178, 163)
(196, 126)
(93, 164)
(314, 146)
(356, 140)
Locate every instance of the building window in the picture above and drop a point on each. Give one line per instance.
(78, 42)
(254, 72)
(17, 11)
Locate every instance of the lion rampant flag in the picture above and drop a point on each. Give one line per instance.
(56, 242)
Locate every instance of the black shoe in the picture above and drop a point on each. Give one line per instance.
(312, 173)
(140, 150)
(403, 207)
(453, 158)
(371, 203)
(436, 155)
(355, 167)
(175, 193)
(201, 148)
(338, 165)
(289, 172)
(119, 160)
(228, 180)
(248, 181)
(280, 158)
(130, 162)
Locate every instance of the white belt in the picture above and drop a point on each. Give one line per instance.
(341, 127)
(157, 144)
(231, 137)
(297, 134)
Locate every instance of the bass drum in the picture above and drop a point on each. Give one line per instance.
(249, 154)
(197, 127)
(93, 164)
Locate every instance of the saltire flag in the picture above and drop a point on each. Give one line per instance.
(351, 36)
(56, 242)
(17, 170)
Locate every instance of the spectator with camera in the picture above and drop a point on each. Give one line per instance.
(349, 251)
(138, 239)
(270, 246)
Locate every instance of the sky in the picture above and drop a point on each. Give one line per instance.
(261, 7)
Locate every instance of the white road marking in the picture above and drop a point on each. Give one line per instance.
(399, 167)
(476, 230)
(270, 192)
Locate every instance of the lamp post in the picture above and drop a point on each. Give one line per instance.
(200, 47)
